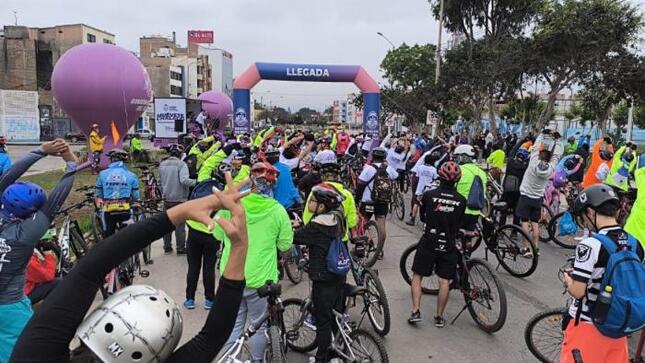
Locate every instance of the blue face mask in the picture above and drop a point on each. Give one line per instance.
(263, 187)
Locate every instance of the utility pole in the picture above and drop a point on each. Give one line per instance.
(438, 54)
(15, 17)
(630, 119)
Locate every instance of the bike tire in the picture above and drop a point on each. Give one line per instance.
(97, 227)
(569, 241)
(543, 335)
(300, 337)
(429, 285)
(482, 268)
(380, 307)
(545, 217)
(274, 346)
(508, 253)
(291, 267)
(400, 205)
(360, 339)
(374, 243)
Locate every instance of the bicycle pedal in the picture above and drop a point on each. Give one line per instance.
(144, 273)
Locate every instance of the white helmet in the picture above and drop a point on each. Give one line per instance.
(464, 150)
(325, 157)
(137, 324)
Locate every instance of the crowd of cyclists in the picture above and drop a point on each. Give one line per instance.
(247, 199)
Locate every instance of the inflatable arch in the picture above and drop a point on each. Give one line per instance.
(308, 73)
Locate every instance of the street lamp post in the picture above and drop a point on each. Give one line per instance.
(386, 39)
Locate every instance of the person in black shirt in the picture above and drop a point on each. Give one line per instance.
(437, 252)
(143, 337)
(515, 169)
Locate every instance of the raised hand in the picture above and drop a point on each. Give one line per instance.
(54, 147)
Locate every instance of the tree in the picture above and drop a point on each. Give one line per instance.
(524, 110)
(571, 39)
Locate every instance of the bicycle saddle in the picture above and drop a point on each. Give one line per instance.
(350, 290)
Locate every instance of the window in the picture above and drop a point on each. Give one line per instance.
(91, 38)
(107, 41)
(175, 76)
(200, 83)
(176, 91)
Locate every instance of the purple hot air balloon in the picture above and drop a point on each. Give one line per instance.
(102, 84)
(218, 106)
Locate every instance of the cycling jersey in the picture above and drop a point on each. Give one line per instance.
(636, 221)
(497, 158)
(284, 191)
(349, 208)
(619, 172)
(440, 208)
(468, 173)
(117, 183)
(5, 162)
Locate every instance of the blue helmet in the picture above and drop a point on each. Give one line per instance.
(23, 199)
(523, 153)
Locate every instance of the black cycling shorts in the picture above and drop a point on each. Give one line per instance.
(529, 209)
(374, 209)
(428, 260)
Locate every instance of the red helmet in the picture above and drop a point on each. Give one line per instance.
(450, 172)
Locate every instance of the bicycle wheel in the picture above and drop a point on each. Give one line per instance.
(568, 241)
(301, 337)
(378, 309)
(543, 335)
(545, 218)
(429, 285)
(374, 244)
(399, 205)
(485, 294)
(97, 227)
(274, 349)
(77, 243)
(147, 250)
(292, 266)
(511, 239)
(365, 347)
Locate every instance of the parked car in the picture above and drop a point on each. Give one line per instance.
(75, 136)
(143, 133)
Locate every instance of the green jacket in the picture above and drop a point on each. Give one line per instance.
(269, 230)
(616, 164)
(497, 159)
(136, 144)
(203, 155)
(635, 224)
(349, 209)
(262, 136)
(570, 148)
(206, 170)
(468, 173)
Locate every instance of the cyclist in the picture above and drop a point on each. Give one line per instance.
(397, 155)
(136, 148)
(464, 156)
(284, 191)
(622, 167)
(326, 224)
(496, 161)
(269, 231)
(636, 221)
(116, 188)
(365, 190)
(601, 155)
(5, 159)
(515, 169)
(25, 217)
(150, 314)
(203, 149)
(542, 163)
(426, 174)
(597, 206)
(572, 145)
(40, 276)
(437, 250)
(175, 186)
(96, 147)
(210, 165)
(329, 173)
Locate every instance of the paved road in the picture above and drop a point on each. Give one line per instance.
(461, 342)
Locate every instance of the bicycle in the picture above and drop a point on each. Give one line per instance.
(370, 230)
(562, 239)
(295, 261)
(275, 350)
(397, 202)
(350, 342)
(151, 190)
(475, 279)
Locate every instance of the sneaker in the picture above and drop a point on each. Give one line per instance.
(439, 321)
(415, 317)
(189, 304)
(526, 252)
(208, 304)
(410, 222)
(310, 322)
(181, 251)
(167, 250)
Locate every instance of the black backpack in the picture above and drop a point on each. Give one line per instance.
(191, 162)
(382, 187)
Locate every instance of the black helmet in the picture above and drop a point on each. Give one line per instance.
(328, 195)
(570, 163)
(606, 155)
(175, 150)
(628, 157)
(117, 155)
(593, 197)
(379, 153)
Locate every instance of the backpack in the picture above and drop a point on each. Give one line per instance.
(205, 188)
(625, 273)
(567, 225)
(338, 259)
(191, 162)
(476, 195)
(382, 187)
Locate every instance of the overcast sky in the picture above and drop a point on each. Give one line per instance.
(290, 31)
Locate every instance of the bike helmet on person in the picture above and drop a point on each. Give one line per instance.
(522, 154)
(593, 197)
(606, 155)
(571, 139)
(22, 199)
(137, 323)
(432, 158)
(628, 157)
(175, 150)
(560, 179)
(326, 157)
(117, 155)
(95, 126)
(464, 154)
(450, 172)
(328, 195)
(272, 155)
(570, 163)
(379, 153)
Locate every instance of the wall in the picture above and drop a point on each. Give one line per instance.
(18, 59)
(19, 115)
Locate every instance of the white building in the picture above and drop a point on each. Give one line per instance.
(221, 63)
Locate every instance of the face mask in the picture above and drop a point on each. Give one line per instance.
(263, 187)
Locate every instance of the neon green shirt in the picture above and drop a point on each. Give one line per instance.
(636, 221)
(349, 209)
(136, 144)
(202, 156)
(468, 173)
(269, 230)
(616, 164)
(497, 158)
(206, 170)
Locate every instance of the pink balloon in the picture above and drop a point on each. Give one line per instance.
(218, 106)
(102, 84)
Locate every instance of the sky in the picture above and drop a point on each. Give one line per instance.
(289, 31)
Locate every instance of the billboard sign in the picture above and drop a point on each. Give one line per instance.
(168, 113)
(200, 36)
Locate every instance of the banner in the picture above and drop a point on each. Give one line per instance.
(167, 112)
(200, 36)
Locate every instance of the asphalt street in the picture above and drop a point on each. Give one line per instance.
(461, 342)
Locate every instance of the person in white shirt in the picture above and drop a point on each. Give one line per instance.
(427, 175)
(397, 155)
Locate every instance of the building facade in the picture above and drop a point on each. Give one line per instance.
(221, 65)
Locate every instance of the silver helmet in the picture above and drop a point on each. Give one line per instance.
(137, 324)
